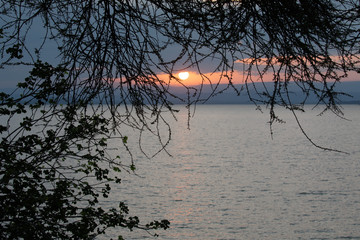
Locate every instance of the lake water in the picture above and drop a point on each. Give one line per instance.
(228, 179)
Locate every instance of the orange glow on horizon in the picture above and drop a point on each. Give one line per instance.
(195, 79)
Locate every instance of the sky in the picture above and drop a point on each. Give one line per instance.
(238, 76)
(11, 75)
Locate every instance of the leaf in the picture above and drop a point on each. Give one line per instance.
(132, 167)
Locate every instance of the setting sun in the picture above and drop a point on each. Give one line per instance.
(184, 75)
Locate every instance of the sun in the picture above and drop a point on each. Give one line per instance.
(184, 75)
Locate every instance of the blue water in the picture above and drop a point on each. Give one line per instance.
(228, 178)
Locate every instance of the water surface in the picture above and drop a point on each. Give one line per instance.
(229, 179)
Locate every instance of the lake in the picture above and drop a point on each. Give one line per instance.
(228, 178)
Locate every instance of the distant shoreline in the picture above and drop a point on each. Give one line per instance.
(229, 96)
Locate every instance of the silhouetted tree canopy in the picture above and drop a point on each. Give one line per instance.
(95, 66)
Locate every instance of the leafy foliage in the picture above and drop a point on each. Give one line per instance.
(52, 179)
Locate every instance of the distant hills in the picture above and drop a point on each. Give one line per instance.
(229, 96)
